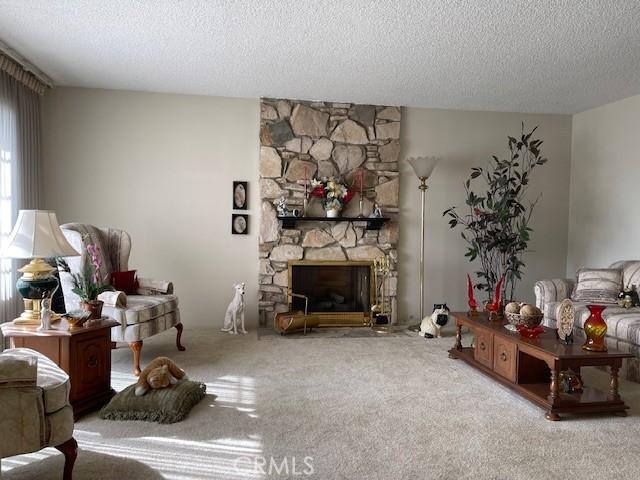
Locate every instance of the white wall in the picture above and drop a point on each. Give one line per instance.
(161, 167)
(464, 139)
(604, 220)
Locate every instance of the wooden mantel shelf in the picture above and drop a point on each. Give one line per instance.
(373, 223)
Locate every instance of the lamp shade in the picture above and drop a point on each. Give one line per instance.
(423, 166)
(37, 234)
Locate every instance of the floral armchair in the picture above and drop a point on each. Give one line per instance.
(152, 310)
(35, 413)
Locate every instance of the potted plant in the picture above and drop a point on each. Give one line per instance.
(88, 285)
(333, 194)
(496, 225)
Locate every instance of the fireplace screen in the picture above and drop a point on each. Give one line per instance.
(332, 287)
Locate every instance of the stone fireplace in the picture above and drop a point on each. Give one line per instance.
(322, 139)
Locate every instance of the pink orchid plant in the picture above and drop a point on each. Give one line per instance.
(87, 285)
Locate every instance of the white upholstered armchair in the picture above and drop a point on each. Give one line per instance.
(152, 310)
(35, 412)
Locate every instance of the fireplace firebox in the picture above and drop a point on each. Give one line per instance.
(339, 292)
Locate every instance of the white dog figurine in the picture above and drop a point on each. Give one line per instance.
(235, 312)
(432, 324)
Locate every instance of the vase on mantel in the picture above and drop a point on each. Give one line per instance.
(595, 329)
(332, 213)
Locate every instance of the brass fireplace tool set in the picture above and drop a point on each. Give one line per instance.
(380, 310)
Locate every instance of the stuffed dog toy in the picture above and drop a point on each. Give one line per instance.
(431, 325)
(160, 373)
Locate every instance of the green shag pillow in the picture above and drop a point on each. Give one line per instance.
(166, 405)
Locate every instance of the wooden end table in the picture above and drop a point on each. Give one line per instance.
(531, 367)
(83, 352)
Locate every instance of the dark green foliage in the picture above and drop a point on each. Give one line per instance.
(497, 225)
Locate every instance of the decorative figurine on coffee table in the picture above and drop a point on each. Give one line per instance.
(494, 307)
(566, 320)
(570, 381)
(628, 297)
(473, 304)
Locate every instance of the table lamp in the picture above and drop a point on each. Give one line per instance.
(423, 166)
(36, 235)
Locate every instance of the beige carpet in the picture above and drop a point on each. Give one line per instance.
(361, 408)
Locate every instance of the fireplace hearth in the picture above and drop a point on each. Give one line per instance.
(339, 292)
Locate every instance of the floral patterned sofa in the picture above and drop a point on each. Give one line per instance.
(154, 309)
(623, 324)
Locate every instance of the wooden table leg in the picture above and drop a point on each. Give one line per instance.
(614, 394)
(178, 327)
(613, 383)
(135, 348)
(458, 344)
(554, 395)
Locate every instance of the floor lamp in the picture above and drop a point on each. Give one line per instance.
(423, 167)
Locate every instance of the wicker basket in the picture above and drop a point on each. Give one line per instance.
(528, 320)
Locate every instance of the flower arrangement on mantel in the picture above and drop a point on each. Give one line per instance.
(333, 194)
(88, 285)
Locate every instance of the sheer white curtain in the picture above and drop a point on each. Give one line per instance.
(19, 175)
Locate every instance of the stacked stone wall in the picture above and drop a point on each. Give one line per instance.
(323, 139)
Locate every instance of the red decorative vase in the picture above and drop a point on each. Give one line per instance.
(595, 329)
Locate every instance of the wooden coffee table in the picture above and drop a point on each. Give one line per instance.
(531, 367)
(84, 353)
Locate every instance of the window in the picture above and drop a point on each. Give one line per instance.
(7, 196)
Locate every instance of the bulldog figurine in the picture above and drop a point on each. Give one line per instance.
(432, 324)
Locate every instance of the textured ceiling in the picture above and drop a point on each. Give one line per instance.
(548, 56)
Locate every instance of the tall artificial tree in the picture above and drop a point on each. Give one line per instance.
(496, 227)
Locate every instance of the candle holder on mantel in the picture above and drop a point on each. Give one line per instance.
(305, 199)
(361, 205)
(359, 180)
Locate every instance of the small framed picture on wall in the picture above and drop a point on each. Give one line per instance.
(240, 190)
(239, 224)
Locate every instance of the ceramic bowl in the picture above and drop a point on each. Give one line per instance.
(526, 320)
(76, 318)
